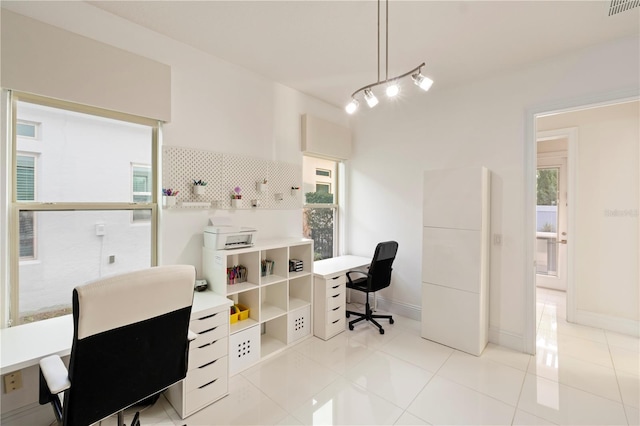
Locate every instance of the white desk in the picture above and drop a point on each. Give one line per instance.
(327, 268)
(329, 293)
(25, 345)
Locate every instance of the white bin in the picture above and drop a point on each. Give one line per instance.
(244, 349)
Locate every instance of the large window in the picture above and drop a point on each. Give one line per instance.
(80, 174)
(320, 213)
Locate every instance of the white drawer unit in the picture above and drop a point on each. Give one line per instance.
(329, 310)
(208, 372)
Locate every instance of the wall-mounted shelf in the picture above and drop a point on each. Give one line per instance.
(223, 173)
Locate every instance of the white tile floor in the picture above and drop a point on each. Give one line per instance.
(580, 375)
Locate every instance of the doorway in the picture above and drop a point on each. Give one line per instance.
(551, 209)
(597, 185)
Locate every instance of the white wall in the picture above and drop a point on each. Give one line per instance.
(480, 124)
(606, 211)
(216, 106)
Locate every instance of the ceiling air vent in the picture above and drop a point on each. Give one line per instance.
(619, 6)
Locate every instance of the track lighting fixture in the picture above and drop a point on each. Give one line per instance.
(393, 87)
(370, 98)
(352, 106)
(421, 81)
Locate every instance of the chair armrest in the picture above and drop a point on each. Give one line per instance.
(55, 374)
(191, 336)
(355, 272)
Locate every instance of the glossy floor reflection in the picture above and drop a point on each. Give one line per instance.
(580, 375)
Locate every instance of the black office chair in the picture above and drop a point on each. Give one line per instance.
(377, 278)
(130, 341)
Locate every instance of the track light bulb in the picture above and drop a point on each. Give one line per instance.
(370, 98)
(352, 106)
(393, 89)
(421, 81)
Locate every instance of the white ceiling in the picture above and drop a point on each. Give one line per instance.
(327, 49)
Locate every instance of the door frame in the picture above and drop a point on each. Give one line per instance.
(529, 223)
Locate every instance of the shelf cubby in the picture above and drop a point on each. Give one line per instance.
(274, 301)
(302, 252)
(300, 290)
(274, 336)
(250, 299)
(280, 265)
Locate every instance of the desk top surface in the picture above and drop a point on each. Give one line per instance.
(25, 345)
(326, 268)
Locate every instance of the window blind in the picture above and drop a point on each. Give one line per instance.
(25, 183)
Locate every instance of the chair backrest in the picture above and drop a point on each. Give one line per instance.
(380, 267)
(129, 342)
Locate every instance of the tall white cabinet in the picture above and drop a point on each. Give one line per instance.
(278, 301)
(455, 258)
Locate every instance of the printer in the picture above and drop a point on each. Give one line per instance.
(223, 236)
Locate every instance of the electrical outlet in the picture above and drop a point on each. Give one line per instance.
(12, 381)
(112, 258)
(497, 239)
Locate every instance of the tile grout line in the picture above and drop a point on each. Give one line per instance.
(615, 370)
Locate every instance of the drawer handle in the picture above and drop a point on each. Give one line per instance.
(335, 309)
(335, 296)
(335, 321)
(208, 316)
(207, 344)
(207, 331)
(335, 286)
(335, 278)
(207, 384)
(208, 364)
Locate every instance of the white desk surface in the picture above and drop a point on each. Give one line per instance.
(25, 345)
(327, 268)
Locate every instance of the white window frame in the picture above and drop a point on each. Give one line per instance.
(16, 206)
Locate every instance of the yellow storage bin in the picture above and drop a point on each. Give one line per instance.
(243, 312)
(234, 314)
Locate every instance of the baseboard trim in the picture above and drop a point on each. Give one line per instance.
(607, 322)
(404, 309)
(37, 414)
(507, 339)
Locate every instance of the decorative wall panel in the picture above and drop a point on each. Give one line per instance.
(224, 172)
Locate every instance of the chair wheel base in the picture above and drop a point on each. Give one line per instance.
(348, 314)
(381, 331)
(350, 326)
(390, 320)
